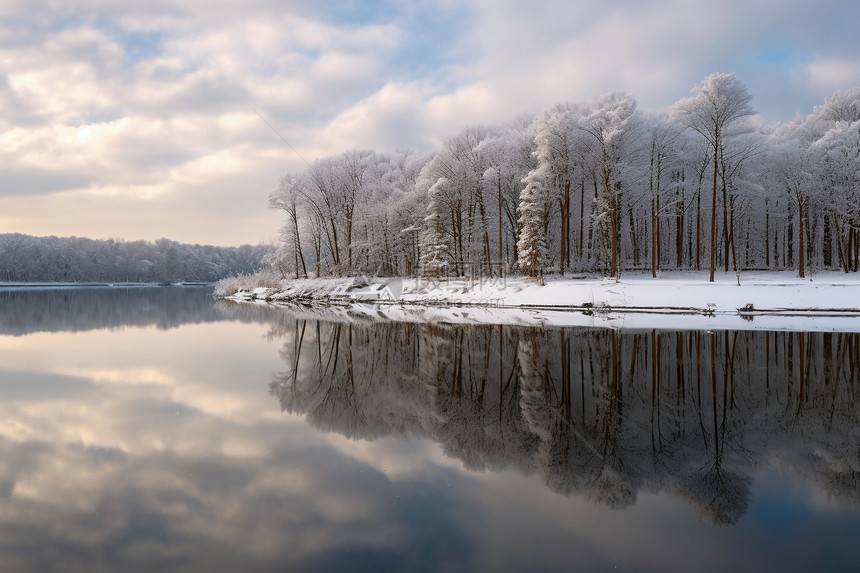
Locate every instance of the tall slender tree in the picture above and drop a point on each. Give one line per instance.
(720, 101)
(610, 126)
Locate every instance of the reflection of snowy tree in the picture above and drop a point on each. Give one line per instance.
(476, 402)
(533, 386)
(720, 496)
(613, 485)
(334, 377)
(602, 414)
(26, 311)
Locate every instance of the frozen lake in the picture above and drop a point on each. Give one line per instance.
(154, 429)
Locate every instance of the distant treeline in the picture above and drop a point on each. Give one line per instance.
(24, 258)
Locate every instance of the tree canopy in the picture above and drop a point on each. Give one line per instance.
(593, 187)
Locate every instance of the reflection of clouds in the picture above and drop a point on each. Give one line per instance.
(169, 504)
(125, 376)
(835, 469)
(163, 449)
(397, 458)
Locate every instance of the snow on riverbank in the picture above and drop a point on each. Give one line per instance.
(770, 300)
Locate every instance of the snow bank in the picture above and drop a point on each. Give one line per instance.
(770, 300)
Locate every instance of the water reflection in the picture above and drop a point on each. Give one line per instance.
(603, 414)
(29, 310)
(127, 448)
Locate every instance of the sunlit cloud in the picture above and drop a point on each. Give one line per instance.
(131, 376)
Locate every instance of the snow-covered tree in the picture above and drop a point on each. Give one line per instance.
(841, 107)
(453, 179)
(559, 154)
(531, 246)
(610, 126)
(286, 198)
(792, 160)
(662, 141)
(588, 187)
(435, 253)
(509, 158)
(839, 167)
(720, 101)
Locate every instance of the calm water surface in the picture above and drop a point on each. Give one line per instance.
(153, 429)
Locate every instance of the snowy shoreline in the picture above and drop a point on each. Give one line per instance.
(684, 300)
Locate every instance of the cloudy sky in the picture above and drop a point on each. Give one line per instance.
(139, 118)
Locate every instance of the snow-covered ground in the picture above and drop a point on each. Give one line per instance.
(766, 300)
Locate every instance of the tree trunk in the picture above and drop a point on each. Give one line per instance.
(801, 247)
(679, 228)
(634, 237)
(566, 210)
(699, 229)
(501, 240)
(349, 244)
(335, 246)
(613, 223)
(581, 216)
(299, 243)
(766, 235)
(458, 218)
(853, 251)
(653, 240)
(714, 218)
(593, 215)
(659, 239)
(562, 243)
(732, 236)
(486, 232)
(726, 228)
(843, 260)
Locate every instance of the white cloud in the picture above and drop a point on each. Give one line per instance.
(146, 102)
(390, 118)
(829, 75)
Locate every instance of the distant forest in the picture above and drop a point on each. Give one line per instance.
(24, 258)
(596, 187)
